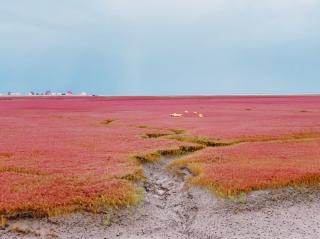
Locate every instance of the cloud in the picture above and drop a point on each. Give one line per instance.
(220, 20)
(138, 42)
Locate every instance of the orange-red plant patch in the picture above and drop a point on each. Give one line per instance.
(62, 154)
(253, 166)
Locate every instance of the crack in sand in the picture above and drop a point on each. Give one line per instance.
(169, 195)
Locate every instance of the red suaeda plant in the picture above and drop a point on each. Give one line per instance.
(252, 166)
(61, 154)
(57, 158)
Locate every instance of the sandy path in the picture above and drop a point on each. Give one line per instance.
(173, 210)
(168, 210)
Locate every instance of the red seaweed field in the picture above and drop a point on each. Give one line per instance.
(63, 154)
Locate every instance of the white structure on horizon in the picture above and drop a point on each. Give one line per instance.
(14, 94)
(83, 94)
(55, 94)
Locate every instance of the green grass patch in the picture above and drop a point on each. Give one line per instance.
(154, 135)
(177, 131)
(107, 121)
(180, 151)
(200, 140)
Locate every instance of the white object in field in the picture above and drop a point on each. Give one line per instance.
(195, 112)
(186, 111)
(200, 115)
(176, 115)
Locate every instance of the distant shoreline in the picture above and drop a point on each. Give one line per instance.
(162, 96)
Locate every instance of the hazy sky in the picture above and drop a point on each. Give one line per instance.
(159, 47)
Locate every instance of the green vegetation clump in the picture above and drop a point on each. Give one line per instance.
(180, 151)
(177, 131)
(200, 140)
(154, 135)
(107, 121)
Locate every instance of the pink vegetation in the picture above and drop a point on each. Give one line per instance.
(251, 166)
(64, 154)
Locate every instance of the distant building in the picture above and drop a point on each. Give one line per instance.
(69, 93)
(48, 92)
(83, 94)
(14, 93)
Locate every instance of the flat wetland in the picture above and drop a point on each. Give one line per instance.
(160, 167)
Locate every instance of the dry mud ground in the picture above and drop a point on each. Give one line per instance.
(171, 209)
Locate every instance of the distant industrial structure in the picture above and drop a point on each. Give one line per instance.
(45, 93)
(14, 93)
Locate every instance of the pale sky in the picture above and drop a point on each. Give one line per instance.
(163, 47)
